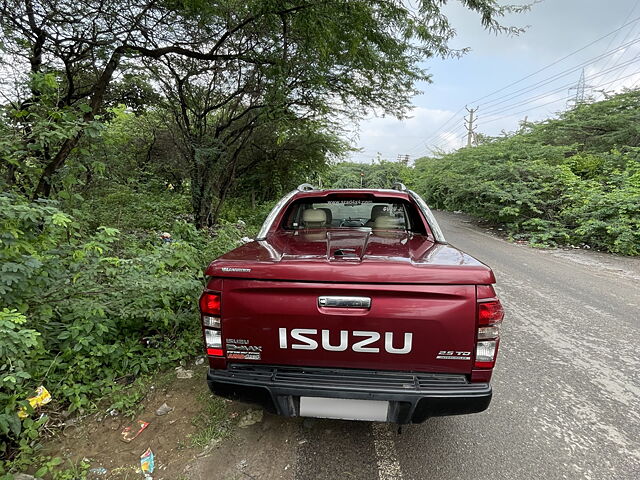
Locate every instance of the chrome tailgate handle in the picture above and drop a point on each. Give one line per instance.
(344, 302)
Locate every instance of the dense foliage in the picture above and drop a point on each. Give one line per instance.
(378, 174)
(233, 78)
(571, 180)
(81, 310)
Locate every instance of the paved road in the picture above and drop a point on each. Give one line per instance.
(566, 390)
(566, 399)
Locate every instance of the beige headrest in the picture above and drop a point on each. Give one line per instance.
(315, 216)
(384, 222)
(378, 210)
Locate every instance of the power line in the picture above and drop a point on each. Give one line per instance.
(561, 88)
(622, 56)
(548, 80)
(622, 72)
(558, 61)
(525, 111)
(625, 38)
(437, 133)
(553, 101)
(445, 137)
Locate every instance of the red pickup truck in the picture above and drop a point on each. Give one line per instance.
(350, 304)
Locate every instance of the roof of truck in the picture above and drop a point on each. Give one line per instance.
(379, 192)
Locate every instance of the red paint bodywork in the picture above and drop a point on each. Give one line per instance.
(415, 284)
(392, 258)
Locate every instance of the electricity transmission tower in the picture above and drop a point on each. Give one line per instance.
(581, 92)
(468, 124)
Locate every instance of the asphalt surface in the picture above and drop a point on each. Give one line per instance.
(566, 399)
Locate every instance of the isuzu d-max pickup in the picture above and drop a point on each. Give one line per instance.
(350, 304)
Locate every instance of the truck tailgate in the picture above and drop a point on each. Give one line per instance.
(424, 328)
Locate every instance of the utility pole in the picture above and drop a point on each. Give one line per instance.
(404, 159)
(468, 124)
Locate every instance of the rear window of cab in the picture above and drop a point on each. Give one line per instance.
(377, 213)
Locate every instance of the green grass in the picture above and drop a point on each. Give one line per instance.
(128, 399)
(212, 422)
(58, 469)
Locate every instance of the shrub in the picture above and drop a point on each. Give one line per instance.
(80, 311)
(555, 183)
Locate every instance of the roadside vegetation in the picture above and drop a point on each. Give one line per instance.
(572, 180)
(213, 422)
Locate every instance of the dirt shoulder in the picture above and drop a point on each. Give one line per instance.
(201, 437)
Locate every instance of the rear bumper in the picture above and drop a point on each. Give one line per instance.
(412, 397)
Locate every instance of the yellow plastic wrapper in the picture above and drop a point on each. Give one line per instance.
(42, 398)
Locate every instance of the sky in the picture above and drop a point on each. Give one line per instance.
(498, 76)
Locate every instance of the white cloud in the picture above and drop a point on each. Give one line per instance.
(391, 137)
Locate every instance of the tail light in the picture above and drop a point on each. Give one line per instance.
(210, 309)
(210, 303)
(490, 315)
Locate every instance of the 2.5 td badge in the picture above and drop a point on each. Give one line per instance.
(453, 355)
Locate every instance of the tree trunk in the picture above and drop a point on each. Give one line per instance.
(202, 207)
(202, 192)
(227, 182)
(223, 196)
(11, 175)
(43, 190)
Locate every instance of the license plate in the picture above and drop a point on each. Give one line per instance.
(344, 408)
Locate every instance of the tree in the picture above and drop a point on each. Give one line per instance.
(280, 161)
(309, 60)
(72, 49)
(330, 56)
(227, 129)
(379, 174)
